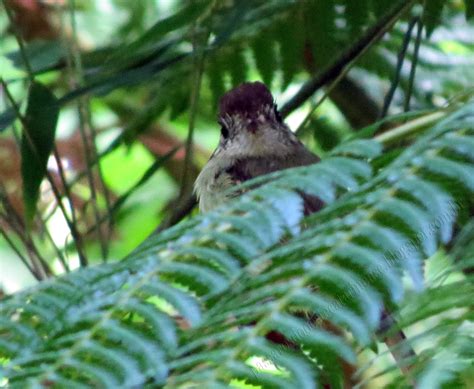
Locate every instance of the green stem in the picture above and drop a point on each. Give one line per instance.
(409, 128)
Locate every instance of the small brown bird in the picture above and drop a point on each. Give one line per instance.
(254, 141)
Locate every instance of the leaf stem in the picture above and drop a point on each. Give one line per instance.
(409, 128)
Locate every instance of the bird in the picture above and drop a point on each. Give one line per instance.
(254, 141)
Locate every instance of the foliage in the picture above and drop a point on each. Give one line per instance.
(199, 303)
(226, 274)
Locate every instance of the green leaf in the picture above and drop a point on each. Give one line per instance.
(180, 19)
(415, 220)
(461, 172)
(374, 265)
(290, 37)
(301, 331)
(469, 8)
(202, 280)
(41, 55)
(321, 27)
(264, 51)
(186, 305)
(215, 74)
(329, 309)
(381, 7)
(436, 201)
(359, 148)
(37, 143)
(235, 273)
(301, 372)
(325, 134)
(460, 144)
(355, 292)
(237, 65)
(432, 15)
(356, 13)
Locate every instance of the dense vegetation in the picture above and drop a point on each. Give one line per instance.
(108, 115)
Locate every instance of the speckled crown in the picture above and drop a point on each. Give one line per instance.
(246, 99)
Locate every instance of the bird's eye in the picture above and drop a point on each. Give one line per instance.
(277, 114)
(224, 132)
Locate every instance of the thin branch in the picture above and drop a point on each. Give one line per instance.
(31, 78)
(40, 269)
(14, 222)
(19, 254)
(368, 39)
(182, 209)
(84, 119)
(414, 64)
(336, 81)
(394, 343)
(60, 255)
(67, 189)
(324, 97)
(398, 71)
(146, 176)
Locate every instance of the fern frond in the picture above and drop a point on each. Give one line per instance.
(193, 305)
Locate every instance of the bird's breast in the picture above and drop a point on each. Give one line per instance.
(211, 185)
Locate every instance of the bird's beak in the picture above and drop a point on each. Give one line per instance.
(252, 126)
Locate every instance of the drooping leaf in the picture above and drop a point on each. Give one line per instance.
(41, 55)
(432, 14)
(290, 37)
(264, 51)
(469, 8)
(181, 18)
(215, 74)
(37, 143)
(237, 66)
(320, 17)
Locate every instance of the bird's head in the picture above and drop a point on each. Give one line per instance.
(249, 118)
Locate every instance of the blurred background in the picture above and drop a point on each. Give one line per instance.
(137, 84)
